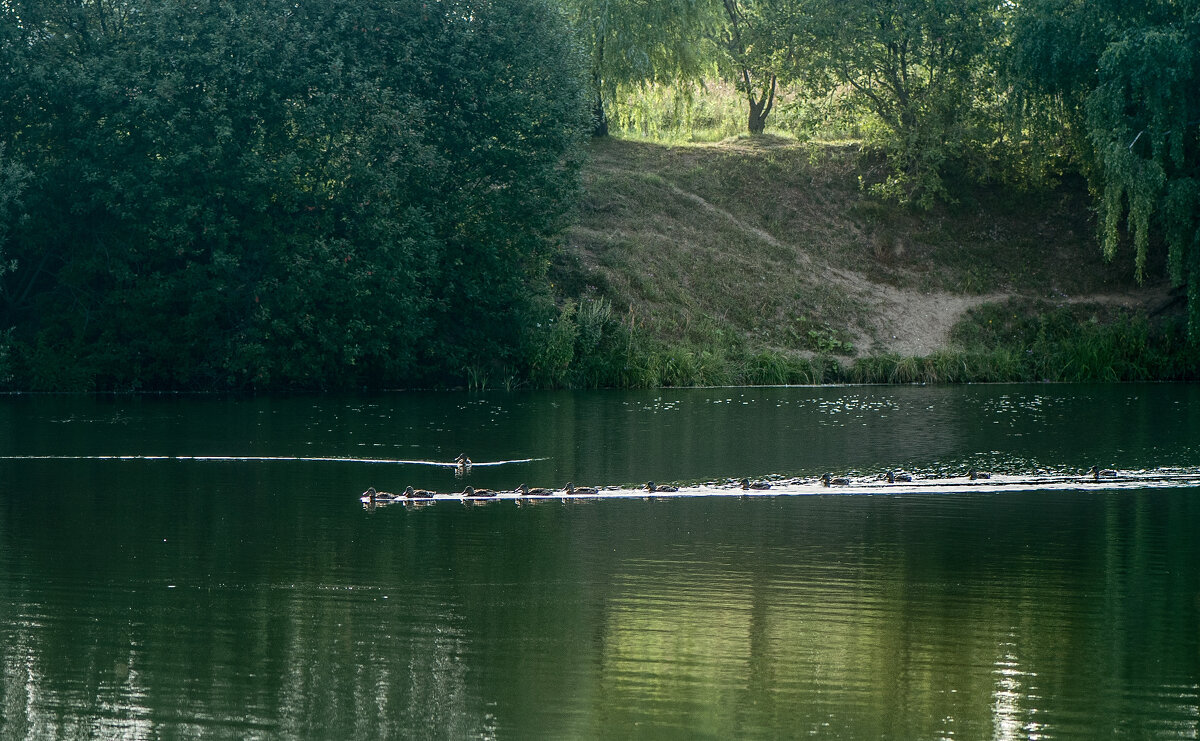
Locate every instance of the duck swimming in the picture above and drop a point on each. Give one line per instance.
(973, 474)
(893, 477)
(412, 493)
(571, 489)
(651, 486)
(471, 491)
(757, 485)
(536, 491)
(1097, 472)
(827, 480)
(373, 496)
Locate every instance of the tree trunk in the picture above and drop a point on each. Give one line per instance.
(758, 120)
(759, 108)
(599, 118)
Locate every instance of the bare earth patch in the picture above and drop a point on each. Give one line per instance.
(915, 324)
(911, 323)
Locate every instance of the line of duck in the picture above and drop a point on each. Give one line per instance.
(372, 496)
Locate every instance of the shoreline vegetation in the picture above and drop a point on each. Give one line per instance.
(809, 285)
(354, 195)
(1050, 347)
(822, 335)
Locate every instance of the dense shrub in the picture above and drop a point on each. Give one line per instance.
(280, 195)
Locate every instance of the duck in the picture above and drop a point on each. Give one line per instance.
(412, 493)
(571, 489)
(973, 474)
(525, 491)
(372, 496)
(893, 477)
(651, 486)
(757, 485)
(1097, 472)
(828, 480)
(462, 466)
(471, 491)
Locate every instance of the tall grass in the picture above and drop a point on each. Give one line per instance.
(590, 345)
(712, 110)
(1077, 343)
(700, 112)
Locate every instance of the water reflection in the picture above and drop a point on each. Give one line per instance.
(256, 599)
(1014, 690)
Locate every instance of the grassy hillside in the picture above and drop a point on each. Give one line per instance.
(768, 245)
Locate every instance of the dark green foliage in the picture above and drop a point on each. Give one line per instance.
(273, 195)
(820, 338)
(12, 182)
(924, 70)
(1077, 343)
(1128, 77)
(1143, 120)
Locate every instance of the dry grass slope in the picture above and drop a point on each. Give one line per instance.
(767, 243)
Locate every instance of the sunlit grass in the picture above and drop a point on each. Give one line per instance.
(714, 261)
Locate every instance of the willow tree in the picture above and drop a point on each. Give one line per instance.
(1143, 118)
(636, 42)
(1127, 73)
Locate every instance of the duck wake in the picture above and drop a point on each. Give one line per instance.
(261, 458)
(1161, 478)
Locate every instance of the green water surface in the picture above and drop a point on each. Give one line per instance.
(179, 567)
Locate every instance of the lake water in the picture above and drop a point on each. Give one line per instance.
(193, 566)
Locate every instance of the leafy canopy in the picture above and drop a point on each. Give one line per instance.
(1129, 73)
(273, 194)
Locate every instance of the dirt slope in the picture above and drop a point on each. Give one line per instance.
(777, 242)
